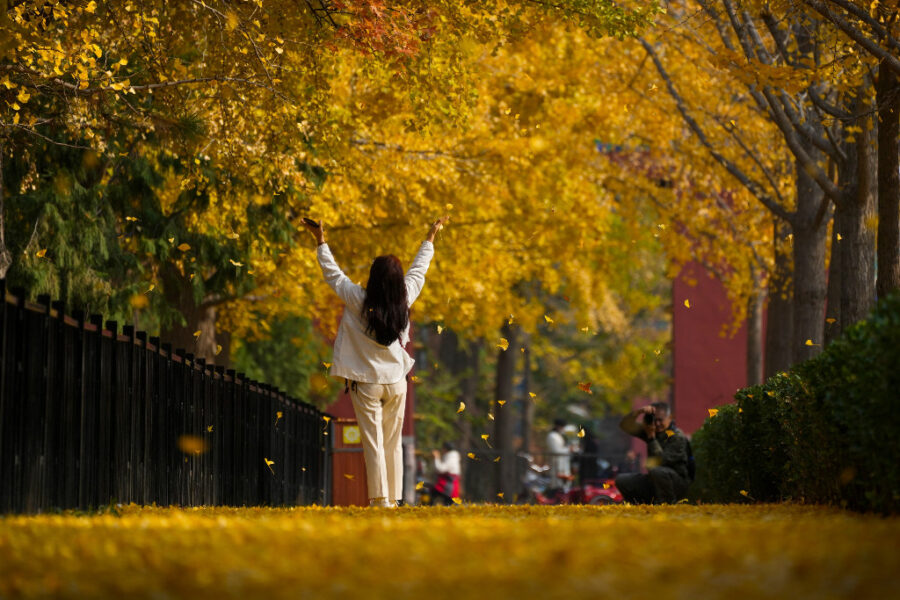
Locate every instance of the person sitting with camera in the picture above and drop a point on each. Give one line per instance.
(668, 457)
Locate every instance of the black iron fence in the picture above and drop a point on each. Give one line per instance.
(90, 416)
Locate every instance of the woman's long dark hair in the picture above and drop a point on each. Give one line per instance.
(385, 309)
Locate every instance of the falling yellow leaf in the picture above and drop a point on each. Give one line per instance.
(414, 378)
(171, 240)
(491, 416)
(233, 236)
(236, 263)
(830, 320)
(745, 493)
(448, 206)
(132, 219)
(440, 330)
(218, 349)
(209, 428)
(585, 329)
(41, 253)
(581, 432)
(687, 303)
(278, 415)
(184, 247)
(585, 387)
(456, 501)
(327, 365)
(420, 485)
(501, 402)
(504, 344)
(712, 411)
(500, 495)
(532, 394)
(669, 433)
(510, 320)
(839, 238)
(269, 464)
(485, 436)
(471, 455)
(462, 407)
(348, 476)
(810, 343)
(497, 459)
(152, 286)
(197, 333)
(191, 444)
(657, 352)
(548, 319)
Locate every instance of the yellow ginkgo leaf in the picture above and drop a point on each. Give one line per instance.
(810, 343)
(500, 495)
(510, 320)
(687, 303)
(269, 464)
(349, 476)
(669, 433)
(532, 394)
(548, 319)
(830, 320)
(171, 240)
(326, 418)
(209, 428)
(132, 219)
(745, 493)
(471, 455)
(218, 349)
(414, 378)
(504, 344)
(23, 96)
(278, 415)
(491, 416)
(839, 238)
(236, 263)
(485, 436)
(581, 432)
(420, 485)
(184, 247)
(462, 407)
(497, 459)
(712, 411)
(440, 329)
(152, 286)
(585, 329)
(41, 253)
(197, 333)
(501, 402)
(233, 236)
(327, 365)
(191, 444)
(448, 206)
(456, 501)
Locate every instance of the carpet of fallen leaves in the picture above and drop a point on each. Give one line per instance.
(690, 552)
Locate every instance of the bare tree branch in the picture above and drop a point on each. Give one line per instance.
(755, 188)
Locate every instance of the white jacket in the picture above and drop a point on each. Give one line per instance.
(357, 356)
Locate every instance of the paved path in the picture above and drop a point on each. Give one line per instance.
(685, 552)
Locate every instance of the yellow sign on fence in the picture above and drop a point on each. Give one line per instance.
(351, 434)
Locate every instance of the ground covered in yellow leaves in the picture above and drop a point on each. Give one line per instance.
(690, 552)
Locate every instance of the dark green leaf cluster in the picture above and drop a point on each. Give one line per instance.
(823, 433)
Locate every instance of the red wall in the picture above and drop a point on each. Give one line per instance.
(708, 368)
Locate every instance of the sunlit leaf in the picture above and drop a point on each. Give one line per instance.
(504, 344)
(581, 432)
(462, 407)
(712, 411)
(585, 386)
(184, 247)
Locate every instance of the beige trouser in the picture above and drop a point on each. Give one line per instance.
(379, 410)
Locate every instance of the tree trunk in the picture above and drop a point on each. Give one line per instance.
(527, 402)
(780, 316)
(504, 415)
(179, 294)
(754, 334)
(833, 304)
(810, 229)
(887, 97)
(858, 243)
(5, 254)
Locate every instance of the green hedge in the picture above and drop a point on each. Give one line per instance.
(828, 431)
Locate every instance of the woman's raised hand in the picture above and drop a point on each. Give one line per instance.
(436, 226)
(315, 228)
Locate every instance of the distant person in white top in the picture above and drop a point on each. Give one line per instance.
(369, 354)
(558, 456)
(448, 468)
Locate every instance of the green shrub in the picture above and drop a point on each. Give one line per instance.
(720, 473)
(823, 433)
